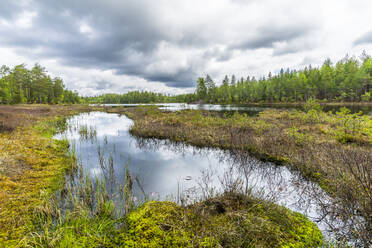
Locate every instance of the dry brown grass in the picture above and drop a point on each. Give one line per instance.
(18, 116)
(13, 116)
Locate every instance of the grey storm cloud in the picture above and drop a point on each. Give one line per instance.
(8, 9)
(293, 46)
(124, 37)
(102, 84)
(127, 37)
(267, 36)
(364, 39)
(182, 79)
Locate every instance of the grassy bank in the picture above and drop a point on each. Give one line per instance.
(331, 149)
(32, 164)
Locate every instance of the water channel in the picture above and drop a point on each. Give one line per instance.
(182, 173)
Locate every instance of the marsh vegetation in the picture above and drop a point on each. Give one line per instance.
(186, 178)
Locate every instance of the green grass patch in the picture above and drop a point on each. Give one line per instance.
(33, 166)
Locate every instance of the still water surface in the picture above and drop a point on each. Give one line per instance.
(169, 171)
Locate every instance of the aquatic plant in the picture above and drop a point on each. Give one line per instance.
(87, 132)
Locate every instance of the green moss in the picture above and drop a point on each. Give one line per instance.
(229, 221)
(161, 224)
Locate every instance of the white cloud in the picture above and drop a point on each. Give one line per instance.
(25, 19)
(85, 29)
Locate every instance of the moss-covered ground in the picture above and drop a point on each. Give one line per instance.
(230, 220)
(32, 164)
(43, 164)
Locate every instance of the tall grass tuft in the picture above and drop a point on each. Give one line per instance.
(85, 212)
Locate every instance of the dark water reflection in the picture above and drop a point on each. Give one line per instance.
(184, 173)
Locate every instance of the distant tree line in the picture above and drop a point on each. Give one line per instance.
(348, 80)
(140, 97)
(21, 85)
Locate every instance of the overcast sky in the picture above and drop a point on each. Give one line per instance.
(101, 46)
